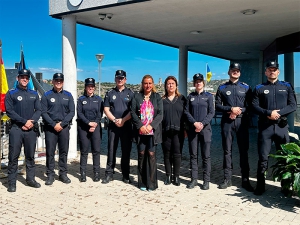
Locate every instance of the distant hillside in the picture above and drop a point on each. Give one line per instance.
(297, 89)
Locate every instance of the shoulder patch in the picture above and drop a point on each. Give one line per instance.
(13, 90)
(223, 85)
(82, 97)
(259, 86)
(244, 85)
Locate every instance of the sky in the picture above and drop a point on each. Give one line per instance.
(27, 23)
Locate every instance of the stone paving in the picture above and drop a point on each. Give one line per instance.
(119, 203)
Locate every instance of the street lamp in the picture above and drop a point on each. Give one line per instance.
(99, 57)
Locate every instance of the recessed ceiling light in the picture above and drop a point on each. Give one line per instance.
(195, 32)
(249, 11)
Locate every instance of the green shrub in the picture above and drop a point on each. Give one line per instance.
(287, 168)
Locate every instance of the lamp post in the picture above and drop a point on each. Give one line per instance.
(99, 57)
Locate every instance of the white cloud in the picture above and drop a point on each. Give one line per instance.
(45, 69)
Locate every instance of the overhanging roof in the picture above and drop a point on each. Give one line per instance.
(225, 31)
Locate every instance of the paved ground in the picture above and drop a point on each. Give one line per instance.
(118, 203)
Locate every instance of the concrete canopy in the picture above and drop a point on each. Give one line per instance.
(225, 32)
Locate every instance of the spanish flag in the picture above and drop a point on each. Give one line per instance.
(3, 81)
(208, 73)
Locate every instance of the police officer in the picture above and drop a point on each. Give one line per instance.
(58, 110)
(24, 109)
(116, 108)
(233, 99)
(273, 101)
(89, 113)
(200, 111)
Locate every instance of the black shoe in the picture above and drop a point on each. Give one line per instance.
(107, 179)
(247, 186)
(226, 183)
(49, 180)
(167, 180)
(176, 181)
(205, 185)
(96, 177)
(33, 183)
(192, 184)
(126, 181)
(82, 177)
(259, 190)
(11, 188)
(64, 179)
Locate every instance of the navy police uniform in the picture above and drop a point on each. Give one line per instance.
(22, 105)
(118, 102)
(57, 107)
(237, 94)
(89, 109)
(267, 97)
(200, 108)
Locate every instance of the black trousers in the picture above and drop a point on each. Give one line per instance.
(267, 133)
(17, 138)
(53, 138)
(228, 128)
(86, 139)
(172, 147)
(124, 134)
(204, 138)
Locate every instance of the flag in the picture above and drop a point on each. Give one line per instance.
(208, 73)
(22, 65)
(3, 81)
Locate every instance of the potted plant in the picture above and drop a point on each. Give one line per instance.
(287, 168)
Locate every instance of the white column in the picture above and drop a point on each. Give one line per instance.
(289, 76)
(69, 70)
(182, 74)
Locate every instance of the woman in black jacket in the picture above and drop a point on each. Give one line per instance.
(147, 114)
(173, 129)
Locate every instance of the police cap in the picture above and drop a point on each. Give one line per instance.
(24, 72)
(58, 76)
(89, 81)
(272, 63)
(120, 73)
(235, 65)
(198, 76)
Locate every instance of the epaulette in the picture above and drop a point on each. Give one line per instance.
(259, 86)
(244, 84)
(223, 85)
(82, 97)
(48, 93)
(67, 93)
(32, 91)
(13, 90)
(285, 83)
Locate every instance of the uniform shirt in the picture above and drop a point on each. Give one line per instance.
(58, 106)
(268, 97)
(200, 107)
(22, 105)
(118, 101)
(89, 109)
(231, 94)
(173, 117)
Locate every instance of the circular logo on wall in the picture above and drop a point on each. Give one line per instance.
(52, 99)
(19, 98)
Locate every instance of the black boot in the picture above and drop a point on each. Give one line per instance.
(96, 177)
(260, 187)
(152, 172)
(226, 183)
(82, 177)
(192, 184)
(167, 180)
(246, 185)
(176, 181)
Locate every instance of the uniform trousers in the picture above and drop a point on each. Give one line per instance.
(53, 138)
(17, 137)
(266, 135)
(86, 138)
(240, 127)
(124, 134)
(204, 137)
